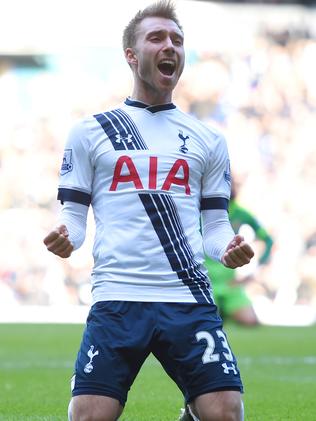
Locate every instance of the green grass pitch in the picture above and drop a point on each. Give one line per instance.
(278, 366)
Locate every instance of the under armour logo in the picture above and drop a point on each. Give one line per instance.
(226, 368)
(121, 139)
(89, 367)
(183, 148)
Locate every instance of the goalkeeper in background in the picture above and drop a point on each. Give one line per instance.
(229, 292)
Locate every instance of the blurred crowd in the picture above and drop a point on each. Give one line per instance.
(263, 99)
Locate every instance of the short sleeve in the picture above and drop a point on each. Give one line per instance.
(216, 181)
(76, 172)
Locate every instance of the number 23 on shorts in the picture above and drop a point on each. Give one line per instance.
(209, 356)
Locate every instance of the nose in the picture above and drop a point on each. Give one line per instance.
(168, 44)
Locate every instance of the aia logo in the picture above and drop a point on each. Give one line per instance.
(183, 148)
(126, 171)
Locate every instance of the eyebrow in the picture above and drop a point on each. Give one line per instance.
(163, 31)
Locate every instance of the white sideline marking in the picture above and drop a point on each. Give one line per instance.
(23, 365)
(306, 360)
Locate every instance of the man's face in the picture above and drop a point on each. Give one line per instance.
(158, 54)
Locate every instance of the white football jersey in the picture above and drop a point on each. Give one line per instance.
(147, 171)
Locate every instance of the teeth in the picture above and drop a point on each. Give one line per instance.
(167, 62)
(167, 67)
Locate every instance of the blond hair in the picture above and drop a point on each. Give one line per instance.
(162, 9)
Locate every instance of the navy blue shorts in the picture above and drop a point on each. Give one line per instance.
(188, 340)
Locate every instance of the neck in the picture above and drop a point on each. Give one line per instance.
(152, 97)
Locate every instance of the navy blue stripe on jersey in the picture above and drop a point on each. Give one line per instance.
(139, 141)
(110, 131)
(122, 134)
(70, 195)
(214, 203)
(126, 134)
(166, 222)
(194, 271)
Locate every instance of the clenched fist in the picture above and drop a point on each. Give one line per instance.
(57, 242)
(238, 253)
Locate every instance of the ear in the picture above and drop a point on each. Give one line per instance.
(130, 56)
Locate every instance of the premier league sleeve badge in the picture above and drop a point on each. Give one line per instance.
(66, 165)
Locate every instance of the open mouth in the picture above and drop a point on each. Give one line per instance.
(167, 67)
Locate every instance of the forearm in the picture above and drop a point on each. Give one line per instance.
(217, 232)
(74, 216)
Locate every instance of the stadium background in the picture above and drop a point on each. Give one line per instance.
(250, 71)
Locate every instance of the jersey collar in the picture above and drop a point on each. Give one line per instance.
(151, 108)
